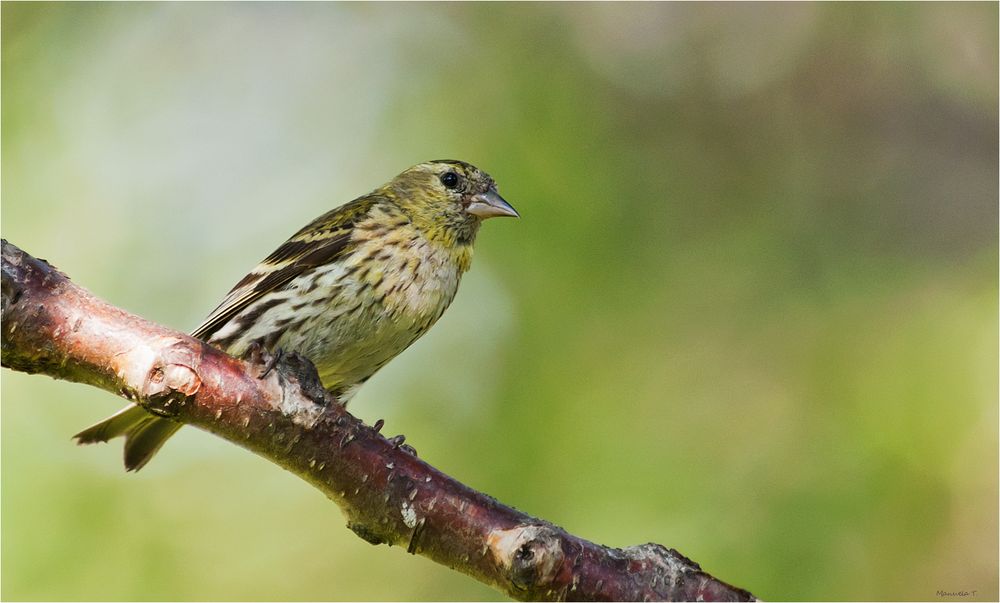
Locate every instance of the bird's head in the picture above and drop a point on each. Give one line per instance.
(448, 199)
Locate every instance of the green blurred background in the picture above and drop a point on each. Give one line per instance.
(750, 310)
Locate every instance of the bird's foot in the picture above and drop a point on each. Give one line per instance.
(290, 364)
(271, 360)
(257, 354)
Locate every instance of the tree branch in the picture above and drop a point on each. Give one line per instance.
(388, 495)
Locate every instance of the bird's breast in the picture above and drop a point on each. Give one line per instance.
(411, 277)
(379, 300)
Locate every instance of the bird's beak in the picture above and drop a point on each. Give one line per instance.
(490, 205)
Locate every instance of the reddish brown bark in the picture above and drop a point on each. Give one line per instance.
(388, 495)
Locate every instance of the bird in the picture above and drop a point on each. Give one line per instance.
(349, 291)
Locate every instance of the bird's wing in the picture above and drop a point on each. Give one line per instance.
(322, 241)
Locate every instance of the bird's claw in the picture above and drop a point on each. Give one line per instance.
(254, 353)
(271, 361)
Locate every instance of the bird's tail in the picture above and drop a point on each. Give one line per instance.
(144, 434)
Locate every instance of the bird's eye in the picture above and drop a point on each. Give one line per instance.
(449, 179)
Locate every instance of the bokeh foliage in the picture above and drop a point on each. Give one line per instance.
(750, 310)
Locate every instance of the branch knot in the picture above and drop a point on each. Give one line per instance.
(530, 554)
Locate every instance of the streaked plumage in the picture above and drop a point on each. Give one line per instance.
(350, 291)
